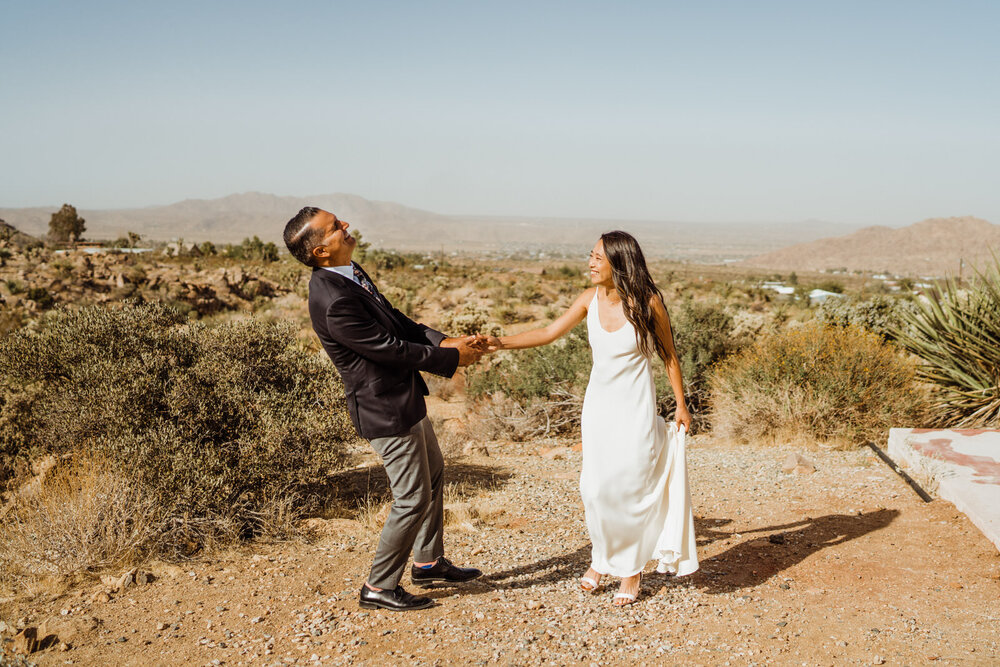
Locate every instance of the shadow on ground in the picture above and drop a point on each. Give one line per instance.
(352, 488)
(760, 554)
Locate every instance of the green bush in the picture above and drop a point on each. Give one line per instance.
(41, 296)
(253, 249)
(467, 320)
(535, 392)
(212, 422)
(558, 373)
(537, 372)
(956, 334)
(703, 335)
(820, 381)
(882, 315)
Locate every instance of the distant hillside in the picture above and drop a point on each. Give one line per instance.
(933, 247)
(389, 225)
(18, 239)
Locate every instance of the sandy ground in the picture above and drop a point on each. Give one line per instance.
(841, 566)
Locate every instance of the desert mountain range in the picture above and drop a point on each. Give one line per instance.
(389, 225)
(934, 247)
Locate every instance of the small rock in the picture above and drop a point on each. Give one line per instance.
(63, 646)
(533, 604)
(554, 453)
(878, 660)
(142, 578)
(4, 628)
(126, 580)
(160, 627)
(778, 538)
(26, 641)
(798, 464)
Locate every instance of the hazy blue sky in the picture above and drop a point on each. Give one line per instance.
(869, 111)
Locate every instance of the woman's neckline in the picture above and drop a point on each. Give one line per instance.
(597, 298)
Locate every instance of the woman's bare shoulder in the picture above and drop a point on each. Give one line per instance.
(587, 297)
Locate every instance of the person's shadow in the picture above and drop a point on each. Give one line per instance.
(759, 554)
(350, 488)
(762, 553)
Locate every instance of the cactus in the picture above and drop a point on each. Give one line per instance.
(955, 331)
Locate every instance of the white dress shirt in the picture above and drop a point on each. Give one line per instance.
(347, 271)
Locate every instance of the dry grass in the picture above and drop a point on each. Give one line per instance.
(79, 517)
(831, 385)
(467, 507)
(372, 511)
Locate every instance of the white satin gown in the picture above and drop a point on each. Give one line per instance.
(634, 478)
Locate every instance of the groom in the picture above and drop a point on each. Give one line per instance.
(378, 352)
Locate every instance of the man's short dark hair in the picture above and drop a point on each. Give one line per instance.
(299, 240)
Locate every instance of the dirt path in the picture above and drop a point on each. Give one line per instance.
(842, 566)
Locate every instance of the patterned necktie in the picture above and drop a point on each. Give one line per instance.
(365, 283)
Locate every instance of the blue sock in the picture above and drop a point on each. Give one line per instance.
(427, 567)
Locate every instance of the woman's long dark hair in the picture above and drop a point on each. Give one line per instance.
(636, 287)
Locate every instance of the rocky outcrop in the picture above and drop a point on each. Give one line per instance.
(47, 279)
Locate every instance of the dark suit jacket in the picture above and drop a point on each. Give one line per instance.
(378, 352)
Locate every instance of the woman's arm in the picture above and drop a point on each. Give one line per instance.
(673, 364)
(536, 337)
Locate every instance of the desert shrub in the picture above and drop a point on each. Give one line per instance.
(506, 313)
(81, 515)
(535, 372)
(830, 286)
(542, 388)
(404, 300)
(826, 382)
(253, 249)
(880, 314)
(211, 422)
(469, 319)
(956, 334)
(41, 296)
(538, 391)
(703, 335)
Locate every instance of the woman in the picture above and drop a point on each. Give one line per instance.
(634, 477)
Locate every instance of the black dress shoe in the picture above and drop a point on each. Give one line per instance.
(394, 600)
(443, 572)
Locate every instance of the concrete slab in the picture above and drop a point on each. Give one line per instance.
(964, 464)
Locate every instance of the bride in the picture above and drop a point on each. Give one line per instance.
(634, 478)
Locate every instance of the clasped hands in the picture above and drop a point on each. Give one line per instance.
(471, 348)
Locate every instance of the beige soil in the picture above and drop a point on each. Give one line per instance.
(842, 566)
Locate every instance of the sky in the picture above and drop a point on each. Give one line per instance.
(861, 112)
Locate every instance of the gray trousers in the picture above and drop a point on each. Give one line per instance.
(415, 469)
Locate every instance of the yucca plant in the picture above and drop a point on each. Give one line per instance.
(956, 333)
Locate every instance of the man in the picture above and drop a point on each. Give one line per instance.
(379, 353)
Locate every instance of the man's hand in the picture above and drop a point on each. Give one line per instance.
(469, 349)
